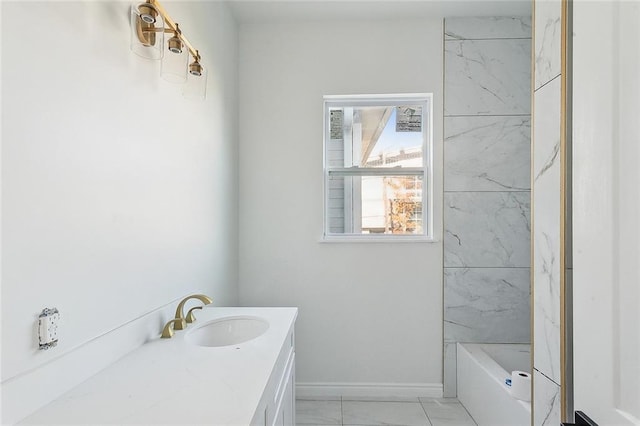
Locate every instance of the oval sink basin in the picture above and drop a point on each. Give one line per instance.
(227, 331)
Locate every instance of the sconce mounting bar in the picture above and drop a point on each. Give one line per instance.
(172, 25)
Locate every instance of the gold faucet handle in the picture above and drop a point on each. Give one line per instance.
(167, 331)
(190, 317)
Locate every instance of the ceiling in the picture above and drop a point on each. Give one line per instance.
(254, 11)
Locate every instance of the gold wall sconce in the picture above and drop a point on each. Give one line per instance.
(149, 24)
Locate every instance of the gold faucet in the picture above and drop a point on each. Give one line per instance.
(181, 325)
(180, 322)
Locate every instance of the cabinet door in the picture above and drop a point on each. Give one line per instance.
(288, 398)
(279, 421)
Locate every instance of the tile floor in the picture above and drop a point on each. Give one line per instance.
(382, 411)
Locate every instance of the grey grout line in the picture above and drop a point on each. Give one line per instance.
(448, 191)
(547, 83)
(341, 412)
(524, 115)
(547, 377)
(487, 267)
(470, 416)
(486, 38)
(425, 412)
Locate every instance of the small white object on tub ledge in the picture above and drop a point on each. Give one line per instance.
(521, 385)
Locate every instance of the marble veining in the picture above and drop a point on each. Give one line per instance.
(546, 217)
(487, 153)
(487, 77)
(546, 409)
(546, 270)
(547, 41)
(546, 128)
(487, 305)
(487, 229)
(487, 27)
(551, 159)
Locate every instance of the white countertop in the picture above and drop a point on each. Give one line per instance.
(170, 381)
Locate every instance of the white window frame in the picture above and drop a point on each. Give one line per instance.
(346, 101)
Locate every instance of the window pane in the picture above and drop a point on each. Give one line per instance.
(378, 136)
(375, 205)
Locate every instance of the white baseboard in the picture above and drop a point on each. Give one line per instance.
(32, 390)
(374, 390)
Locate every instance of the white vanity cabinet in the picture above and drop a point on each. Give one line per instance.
(278, 404)
(249, 383)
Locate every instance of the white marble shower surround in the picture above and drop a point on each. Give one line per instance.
(487, 162)
(487, 153)
(487, 229)
(487, 77)
(547, 219)
(546, 256)
(547, 41)
(490, 305)
(546, 397)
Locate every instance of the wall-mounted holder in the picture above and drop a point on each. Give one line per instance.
(48, 328)
(149, 23)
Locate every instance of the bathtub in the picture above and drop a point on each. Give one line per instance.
(482, 370)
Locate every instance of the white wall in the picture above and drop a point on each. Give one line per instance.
(118, 195)
(361, 321)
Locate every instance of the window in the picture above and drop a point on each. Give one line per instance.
(377, 167)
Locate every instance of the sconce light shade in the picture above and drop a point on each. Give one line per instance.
(147, 31)
(196, 86)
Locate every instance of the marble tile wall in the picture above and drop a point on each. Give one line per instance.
(546, 253)
(547, 41)
(546, 397)
(501, 82)
(486, 305)
(488, 153)
(546, 214)
(487, 158)
(487, 229)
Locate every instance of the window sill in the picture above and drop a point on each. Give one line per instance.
(388, 239)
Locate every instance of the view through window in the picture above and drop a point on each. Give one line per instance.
(377, 165)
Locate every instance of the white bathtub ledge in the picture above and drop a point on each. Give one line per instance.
(483, 392)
